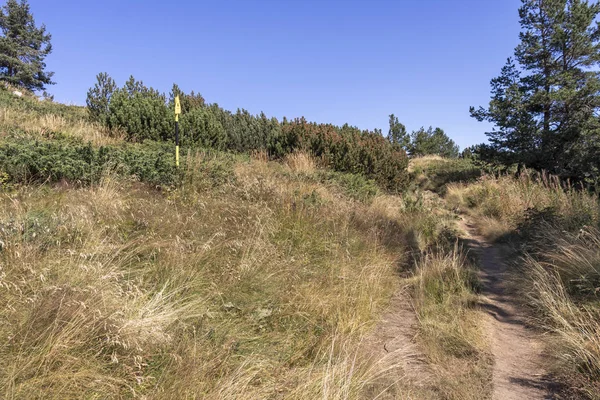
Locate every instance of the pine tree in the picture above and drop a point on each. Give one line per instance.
(517, 140)
(545, 107)
(397, 133)
(98, 97)
(141, 111)
(432, 142)
(23, 47)
(188, 102)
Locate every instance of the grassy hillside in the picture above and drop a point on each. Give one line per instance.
(434, 172)
(239, 277)
(231, 277)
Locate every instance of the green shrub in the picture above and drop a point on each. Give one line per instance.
(201, 127)
(355, 186)
(33, 160)
(142, 112)
(348, 149)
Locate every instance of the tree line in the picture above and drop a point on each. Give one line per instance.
(143, 113)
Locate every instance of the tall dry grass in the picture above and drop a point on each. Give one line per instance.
(503, 203)
(564, 284)
(48, 125)
(258, 286)
(556, 229)
(450, 324)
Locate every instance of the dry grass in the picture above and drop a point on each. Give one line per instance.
(434, 173)
(424, 161)
(259, 288)
(300, 162)
(48, 125)
(259, 283)
(557, 230)
(450, 326)
(565, 280)
(503, 204)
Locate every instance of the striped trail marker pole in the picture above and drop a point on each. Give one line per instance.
(177, 112)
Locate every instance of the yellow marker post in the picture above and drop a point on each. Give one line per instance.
(177, 112)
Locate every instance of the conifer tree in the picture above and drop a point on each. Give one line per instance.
(141, 111)
(545, 105)
(432, 142)
(98, 97)
(23, 47)
(397, 133)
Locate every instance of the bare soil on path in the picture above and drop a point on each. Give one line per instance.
(394, 341)
(519, 371)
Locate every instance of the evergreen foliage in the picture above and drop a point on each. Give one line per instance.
(141, 111)
(188, 102)
(98, 98)
(397, 133)
(546, 101)
(23, 47)
(432, 142)
(27, 160)
(145, 114)
(200, 127)
(348, 149)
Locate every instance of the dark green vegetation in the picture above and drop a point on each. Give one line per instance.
(145, 114)
(432, 142)
(23, 47)
(33, 160)
(546, 102)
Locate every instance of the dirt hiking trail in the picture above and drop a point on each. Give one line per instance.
(393, 340)
(518, 361)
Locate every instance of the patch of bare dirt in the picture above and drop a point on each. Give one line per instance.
(394, 340)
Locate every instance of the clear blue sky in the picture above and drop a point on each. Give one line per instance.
(333, 61)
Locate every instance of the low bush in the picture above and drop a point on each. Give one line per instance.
(348, 149)
(27, 160)
(354, 186)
